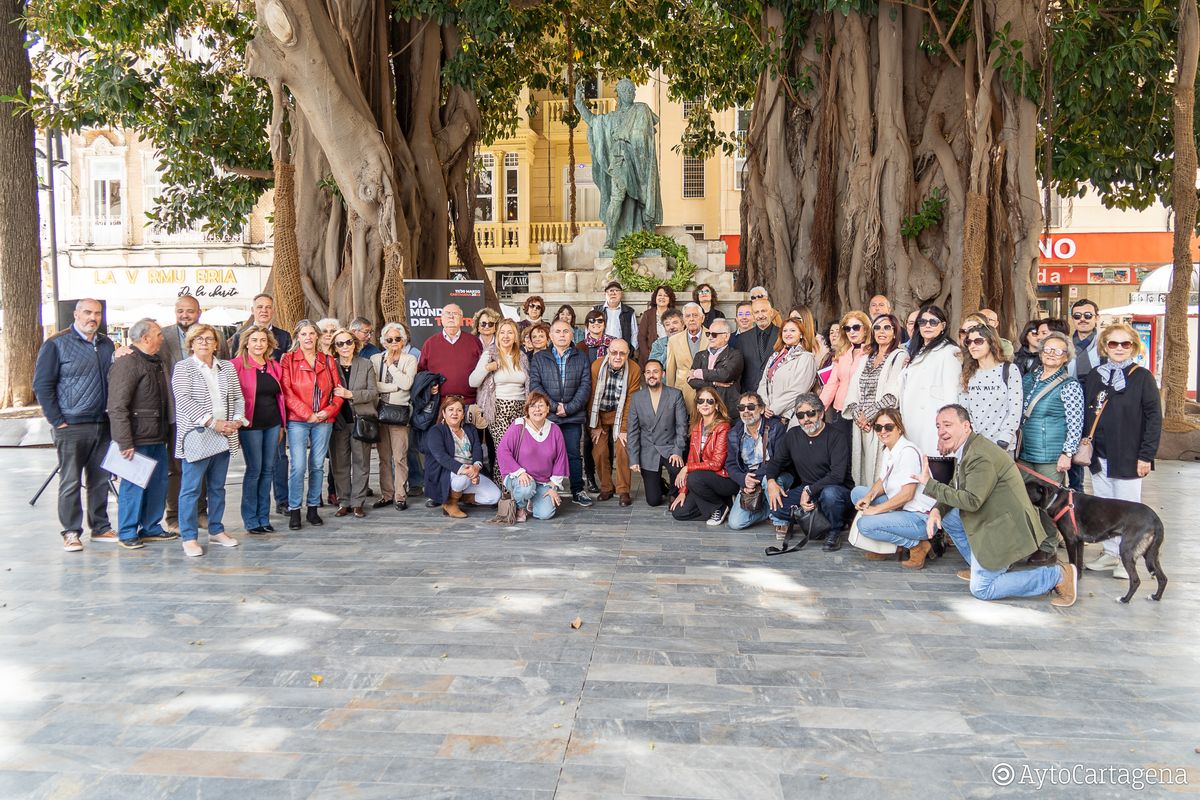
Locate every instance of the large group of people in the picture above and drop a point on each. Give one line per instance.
(738, 422)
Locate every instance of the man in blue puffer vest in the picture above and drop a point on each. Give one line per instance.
(71, 383)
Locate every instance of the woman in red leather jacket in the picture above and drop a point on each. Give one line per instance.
(705, 489)
(309, 378)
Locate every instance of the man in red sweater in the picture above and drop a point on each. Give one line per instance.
(452, 353)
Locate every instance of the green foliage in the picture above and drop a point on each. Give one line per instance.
(637, 243)
(929, 215)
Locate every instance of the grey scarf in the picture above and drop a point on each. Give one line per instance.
(1112, 373)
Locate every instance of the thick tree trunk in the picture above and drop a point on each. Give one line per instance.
(20, 247)
(1183, 198)
(852, 138)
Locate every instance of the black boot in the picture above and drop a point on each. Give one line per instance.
(313, 517)
(294, 521)
(832, 541)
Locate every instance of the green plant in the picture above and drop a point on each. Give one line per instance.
(637, 243)
(929, 215)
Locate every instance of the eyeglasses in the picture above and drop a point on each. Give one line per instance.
(393, 340)
(1119, 345)
(1054, 351)
(929, 322)
(204, 339)
(618, 354)
(747, 406)
(884, 427)
(704, 291)
(1082, 315)
(807, 414)
(486, 323)
(344, 343)
(883, 328)
(975, 340)
(705, 401)
(855, 327)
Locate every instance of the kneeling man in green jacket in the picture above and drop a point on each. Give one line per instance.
(987, 513)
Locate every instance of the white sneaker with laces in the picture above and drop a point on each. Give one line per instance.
(718, 517)
(1103, 563)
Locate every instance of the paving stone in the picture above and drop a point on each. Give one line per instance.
(411, 656)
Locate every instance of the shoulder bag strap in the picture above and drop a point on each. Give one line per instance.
(1045, 391)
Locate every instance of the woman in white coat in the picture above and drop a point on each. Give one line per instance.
(931, 378)
(789, 373)
(874, 386)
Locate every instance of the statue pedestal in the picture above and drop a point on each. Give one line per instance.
(651, 263)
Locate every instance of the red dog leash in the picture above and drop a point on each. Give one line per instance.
(1068, 509)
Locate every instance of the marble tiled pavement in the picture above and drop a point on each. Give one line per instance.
(409, 656)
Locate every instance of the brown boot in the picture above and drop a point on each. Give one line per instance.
(872, 556)
(916, 556)
(468, 499)
(450, 507)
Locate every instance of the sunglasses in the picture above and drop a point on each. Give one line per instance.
(393, 340)
(758, 297)
(344, 343)
(703, 291)
(807, 414)
(1083, 315)
(595, 321)
(705, 401)
(483, 323)
(884, 427)
(855, 327)
(536, 307)
(747, 406)
(1054, 351)
(929, 322)
(882, 328)
(1120, 345)
(975, 340)
(712, 333)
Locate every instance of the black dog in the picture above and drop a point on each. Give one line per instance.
(1083, 518)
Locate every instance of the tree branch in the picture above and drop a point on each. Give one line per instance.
(249, 172)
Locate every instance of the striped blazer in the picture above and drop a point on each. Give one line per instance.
(194, 440)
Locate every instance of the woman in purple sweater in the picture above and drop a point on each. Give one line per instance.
(533, 460)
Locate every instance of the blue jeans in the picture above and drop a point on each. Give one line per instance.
(140, 510)
(280, 479)
(900, 527)
(988, 584)
(308, 442)
(260, 448)
(833, 503)
(213, 470)
(536, 493)
(740, 518)
(571, 432)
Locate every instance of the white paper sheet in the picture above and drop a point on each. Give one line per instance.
(136, 470)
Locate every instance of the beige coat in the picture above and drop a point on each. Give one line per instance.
(679, 365)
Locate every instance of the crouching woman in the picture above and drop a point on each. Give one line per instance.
(532, 457)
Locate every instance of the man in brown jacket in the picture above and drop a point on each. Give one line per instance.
(138, 404)
(614, 380)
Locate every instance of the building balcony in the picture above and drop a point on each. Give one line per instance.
(502, 243)
(553, 126)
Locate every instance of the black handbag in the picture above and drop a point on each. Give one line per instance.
(392, 413)
(366, 429)
(810, 524)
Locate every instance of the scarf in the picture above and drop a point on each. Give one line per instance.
(783, 357)
(1112, 373)
(601, 381)
(600, 344)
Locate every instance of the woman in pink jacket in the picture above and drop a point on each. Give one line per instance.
(262, 387)
(856, 332)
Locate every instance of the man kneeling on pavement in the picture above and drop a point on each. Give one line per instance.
(986, 511)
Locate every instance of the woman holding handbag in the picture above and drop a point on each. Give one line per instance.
(1124, 422)
(356, 426)
(259, 376)
(502, 378)
(394, 370)
(209, 411)
(309, 378)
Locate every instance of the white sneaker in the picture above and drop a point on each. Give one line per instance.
(1103, 563)
(718, 517)
(223, 539)
(192, 548)
(1119, 572)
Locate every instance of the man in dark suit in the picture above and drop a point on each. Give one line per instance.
(720, 366)
(658, 433)
(262, 312)
(187, 314)
(756, 345)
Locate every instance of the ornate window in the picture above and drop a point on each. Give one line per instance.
(485, 188)
(512, 187)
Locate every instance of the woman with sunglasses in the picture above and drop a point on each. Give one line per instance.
(874, 386)
(705, 488)
(395, 369)
(931, 378)
(650, 325)
(532, 308)
(706, 296)
(595, 341)
(893, 511)
(454, 462)
(1124, 418)
(856, 331)
(502, 378)
(789, 373)
(350, 458)
(990, 388)
(484, 326)
(309, 378)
